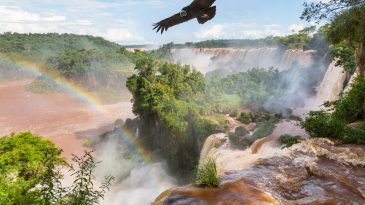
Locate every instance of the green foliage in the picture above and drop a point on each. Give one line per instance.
(297, 41)
(30, 168)
(256, 117)
(206, 175)
(355, 134)
(346, 27)
(240, 131)
(345, 57)
(240, 138)
(322, 124)
(22, 166)
(234, 139)
(350, 107)
(264, 129)
(82, 190)
(167, 98)
(289, 140)
(172, 102)
(87, 61)
(92, 68)
(223, 43)
(328, 9)
(245, 117)
(46, 45)
(253, 87)
(294, 41)
(346, 110)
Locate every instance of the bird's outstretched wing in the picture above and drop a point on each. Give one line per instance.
(172, 21)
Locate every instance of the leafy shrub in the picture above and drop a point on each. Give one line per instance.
(169, 101)
(234, 139)
(264, 129)
(233, 113)
(346, 57)
(252, 87)
(30, 174)
(322, 124)
(256, 117)
(240, 131)
(206, 175)
(240, 138)
(289, 140)
(351, 105)
(245, 118)
(346, 110)
(22, 166)
(355, 134)
(83, 191)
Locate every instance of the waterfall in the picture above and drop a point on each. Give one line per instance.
(239, 60)
(332, 83)
(217, 147)
(329, 90)
(211, 143)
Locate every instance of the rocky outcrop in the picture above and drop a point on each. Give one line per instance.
(314, 172)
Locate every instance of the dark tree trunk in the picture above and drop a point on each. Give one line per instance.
(361, 64)
(361, 56)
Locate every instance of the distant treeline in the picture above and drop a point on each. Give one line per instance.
(301, 40)
(92, 62)
(52, 43)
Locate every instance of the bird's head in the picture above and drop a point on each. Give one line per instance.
(183, 13)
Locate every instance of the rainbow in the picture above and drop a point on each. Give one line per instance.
(79, 93)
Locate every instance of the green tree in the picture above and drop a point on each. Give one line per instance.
(166, 100)
(22, 166)
(347, 24)
(30, 173)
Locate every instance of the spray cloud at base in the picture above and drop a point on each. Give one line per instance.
(301, 72)
(138, 179)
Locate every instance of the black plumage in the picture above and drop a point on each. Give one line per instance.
(202, 10)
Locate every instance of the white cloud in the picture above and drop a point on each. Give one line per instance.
(84, 22)
(54, 18)
(12, 15)
(15, 19)
(215, 31)
(121, 34)
(295, 28)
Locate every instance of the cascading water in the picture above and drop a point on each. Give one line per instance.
(238, 60)
(329, 90)
(313, 172)
(332, 84)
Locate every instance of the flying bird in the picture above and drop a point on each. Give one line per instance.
(202, 10)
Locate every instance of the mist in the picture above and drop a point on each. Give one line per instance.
(301, 71)
(142, 186)
(137, 180)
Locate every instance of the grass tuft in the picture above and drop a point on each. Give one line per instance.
(206, 175)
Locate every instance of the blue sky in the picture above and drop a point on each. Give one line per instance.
(130, 21)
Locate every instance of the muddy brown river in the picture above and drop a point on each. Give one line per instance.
(59, 117)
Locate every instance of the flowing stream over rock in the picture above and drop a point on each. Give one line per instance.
(315, 171)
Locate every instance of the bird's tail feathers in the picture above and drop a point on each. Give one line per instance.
(210, 12)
